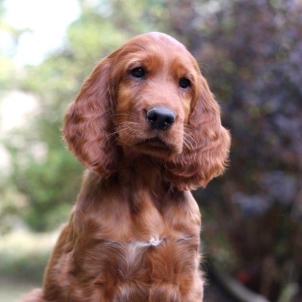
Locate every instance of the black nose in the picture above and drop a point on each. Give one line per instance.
(160, 118)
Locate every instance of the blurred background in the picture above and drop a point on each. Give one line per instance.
(251, 54)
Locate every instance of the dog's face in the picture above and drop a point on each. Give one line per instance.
(155, 91)
(149, 97)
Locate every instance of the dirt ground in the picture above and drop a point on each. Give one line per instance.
(214, 293)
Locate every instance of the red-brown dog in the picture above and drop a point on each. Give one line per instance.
(146, 126)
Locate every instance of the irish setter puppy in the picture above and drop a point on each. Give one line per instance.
(147, 128)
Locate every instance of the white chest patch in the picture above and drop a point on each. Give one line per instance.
(154, 241)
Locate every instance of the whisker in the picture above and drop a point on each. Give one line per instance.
(190, 128)
(120, 114)
(130, 132)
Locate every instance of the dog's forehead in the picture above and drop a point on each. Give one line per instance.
(157, 39)
(164, 38)
(155, 46)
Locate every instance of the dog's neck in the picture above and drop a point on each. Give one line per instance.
(136, 203)
(141, 172)
(136, 176)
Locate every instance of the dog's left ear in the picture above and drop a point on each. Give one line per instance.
(206, 146)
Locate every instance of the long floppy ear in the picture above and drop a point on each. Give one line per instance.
(206, 144)
(88, 127)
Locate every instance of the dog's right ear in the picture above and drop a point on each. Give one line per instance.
(88, 128)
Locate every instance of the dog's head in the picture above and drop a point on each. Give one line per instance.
(149, 97)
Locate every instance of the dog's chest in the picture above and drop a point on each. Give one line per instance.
(131, 254)
(142, 270)
(152, 250)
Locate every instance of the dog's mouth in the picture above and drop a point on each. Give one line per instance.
(156, 143)
(155, 146)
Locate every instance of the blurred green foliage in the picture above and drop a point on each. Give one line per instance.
(250, 52)
(24, 254)
(50, 182)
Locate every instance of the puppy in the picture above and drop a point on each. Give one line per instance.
(148, 130)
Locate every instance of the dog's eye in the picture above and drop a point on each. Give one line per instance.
(138, 72)
(184, 83)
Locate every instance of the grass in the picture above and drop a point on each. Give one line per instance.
(13, 290)
(23, 257)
